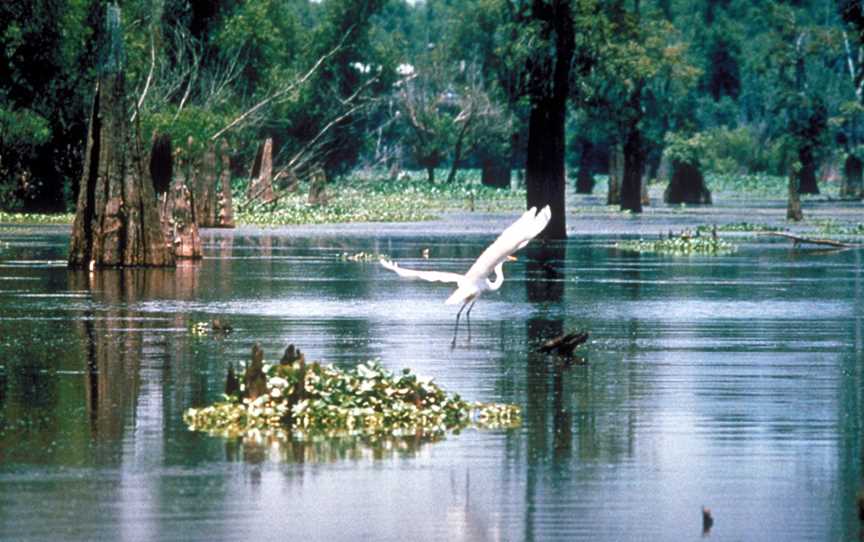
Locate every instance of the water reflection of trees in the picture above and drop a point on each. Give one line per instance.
(258, 447)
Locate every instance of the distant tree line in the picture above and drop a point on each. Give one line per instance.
(598, 86)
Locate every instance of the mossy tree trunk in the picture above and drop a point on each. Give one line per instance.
(116, 221)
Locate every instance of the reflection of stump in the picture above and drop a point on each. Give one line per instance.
(261, 179)
(116, 221)
(853, 178)
(793, 208)
(687, 185)
(316, 188)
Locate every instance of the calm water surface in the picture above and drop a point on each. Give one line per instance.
(733, 382)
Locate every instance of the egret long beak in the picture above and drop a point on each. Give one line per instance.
(512, 259)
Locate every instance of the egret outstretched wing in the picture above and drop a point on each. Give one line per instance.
(431, 276)
(516, 236)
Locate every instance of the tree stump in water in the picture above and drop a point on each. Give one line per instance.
(261, 179)
(224, 199)
(116, 220)
(204, 188)
(793, 208)
(687, 185)
(178, 219)
(317, 196)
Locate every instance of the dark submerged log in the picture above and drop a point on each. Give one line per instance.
(116, 220)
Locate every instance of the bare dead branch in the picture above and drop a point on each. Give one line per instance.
(243, 116)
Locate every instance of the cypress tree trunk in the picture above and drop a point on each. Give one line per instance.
(634, 162)
(853, 178)
(585, 176)
(616, 173)
(116, 221)
(495, 172)
(687, 185)
(544, 165)
(807, 180)
(793, 209)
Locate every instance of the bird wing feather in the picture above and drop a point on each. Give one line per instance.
(431, 276)
(516, 236)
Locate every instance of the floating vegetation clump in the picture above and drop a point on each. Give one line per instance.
(35, 218)
(737, 227)
(361, 257)
(303, 402)
(682, 244)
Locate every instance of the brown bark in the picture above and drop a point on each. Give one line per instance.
(224, 199)
(204, 188)
(116, 221)
(178, 218)
(261, 182)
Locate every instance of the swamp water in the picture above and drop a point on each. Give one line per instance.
(733, 382)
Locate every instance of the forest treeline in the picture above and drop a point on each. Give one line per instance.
(728, 86)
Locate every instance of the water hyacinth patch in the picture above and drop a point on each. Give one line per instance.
(305, 402)
(683, 244)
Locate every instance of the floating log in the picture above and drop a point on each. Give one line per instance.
(116, 219)
(564, 344)
(797, 240)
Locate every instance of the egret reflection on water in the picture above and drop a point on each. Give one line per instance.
(472, 284)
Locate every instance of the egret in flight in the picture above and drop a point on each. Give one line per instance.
(472, 284)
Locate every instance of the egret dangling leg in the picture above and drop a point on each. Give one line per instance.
(468, 318)
(470, 300)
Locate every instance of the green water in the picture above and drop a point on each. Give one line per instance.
(732, 382)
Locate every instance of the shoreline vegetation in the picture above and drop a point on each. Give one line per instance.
(371, 197)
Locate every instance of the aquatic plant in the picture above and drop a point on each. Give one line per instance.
(381, 200)
(35, 218)
(682, 244)
(837, 228)
(737, 227)
(302, 402)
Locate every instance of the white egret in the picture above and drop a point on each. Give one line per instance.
(472, 284)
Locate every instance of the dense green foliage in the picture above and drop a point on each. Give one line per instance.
(744, 88)
(304, 402)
